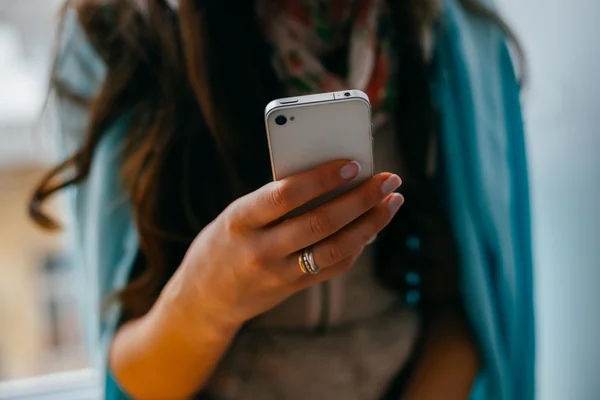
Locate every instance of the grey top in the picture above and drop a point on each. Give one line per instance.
(343, 339)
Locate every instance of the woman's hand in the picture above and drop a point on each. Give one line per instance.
(246, 261)
(242, 264)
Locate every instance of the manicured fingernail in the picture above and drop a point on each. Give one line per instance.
(394, 203)
(390, 184)
(350, 170)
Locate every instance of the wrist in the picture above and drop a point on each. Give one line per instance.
(187, 315)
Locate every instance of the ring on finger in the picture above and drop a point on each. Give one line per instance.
(307, 263)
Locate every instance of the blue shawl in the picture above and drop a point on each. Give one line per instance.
(484, 169)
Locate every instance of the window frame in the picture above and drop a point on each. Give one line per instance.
(71, 385)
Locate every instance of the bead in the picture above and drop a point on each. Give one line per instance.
(413, 278)
(413, 242)
(413, 297)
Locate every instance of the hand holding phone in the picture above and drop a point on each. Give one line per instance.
(246, 261)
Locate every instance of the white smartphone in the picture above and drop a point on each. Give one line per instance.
(307, 131)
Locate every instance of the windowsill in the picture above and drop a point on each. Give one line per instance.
(73, 385)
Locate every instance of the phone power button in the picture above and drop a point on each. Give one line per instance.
(288, 101)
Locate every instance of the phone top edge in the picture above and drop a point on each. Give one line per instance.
(316, 98)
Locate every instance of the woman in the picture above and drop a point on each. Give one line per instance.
(180, 226)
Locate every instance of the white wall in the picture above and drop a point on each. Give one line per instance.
(26, 43)
(563, 119)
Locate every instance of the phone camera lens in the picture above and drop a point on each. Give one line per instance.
(280, 120)
(347, 94)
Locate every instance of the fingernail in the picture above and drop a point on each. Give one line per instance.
(394, 203)
(350, 170)
(390, 184)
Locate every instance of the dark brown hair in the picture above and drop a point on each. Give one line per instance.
(193, 146)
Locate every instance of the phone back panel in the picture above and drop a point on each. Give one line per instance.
(316, 133)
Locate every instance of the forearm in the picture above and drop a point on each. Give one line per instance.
(449, 361)
(161, 356)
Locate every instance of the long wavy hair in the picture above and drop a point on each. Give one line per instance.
(195, 83)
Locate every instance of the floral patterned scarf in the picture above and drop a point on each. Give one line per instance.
(304, 32)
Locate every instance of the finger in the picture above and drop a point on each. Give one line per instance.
(357, 234)
(372, 240)
(314, 226)
(344, 244)
(276, 199)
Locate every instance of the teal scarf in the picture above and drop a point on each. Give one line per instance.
(484, 168)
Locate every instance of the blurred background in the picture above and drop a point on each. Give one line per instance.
(39, 328)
